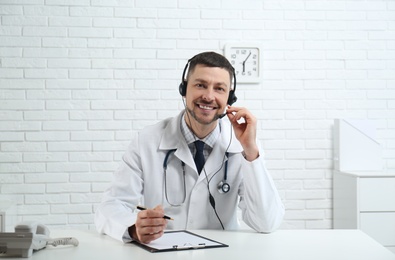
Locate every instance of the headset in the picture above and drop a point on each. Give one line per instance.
(183, 85)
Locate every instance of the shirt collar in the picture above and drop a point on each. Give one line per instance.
(209, 140)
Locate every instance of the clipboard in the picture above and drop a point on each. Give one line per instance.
(179, 240)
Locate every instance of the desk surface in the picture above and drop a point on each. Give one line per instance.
(282, 244)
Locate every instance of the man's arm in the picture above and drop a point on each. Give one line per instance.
(260, 202)
(261, 205)
(117, 213)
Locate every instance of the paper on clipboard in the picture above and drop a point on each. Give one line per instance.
(179, 240)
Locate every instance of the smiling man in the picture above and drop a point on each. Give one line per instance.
(208, 94)
(196, 167)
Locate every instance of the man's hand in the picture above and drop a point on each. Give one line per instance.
(149, 225)
(245, 131)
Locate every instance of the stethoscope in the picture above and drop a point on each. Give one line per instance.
(223, 186)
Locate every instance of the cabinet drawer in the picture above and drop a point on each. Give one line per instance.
(377, 194)
(380, 226)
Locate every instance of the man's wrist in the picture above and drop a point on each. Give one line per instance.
(250, 157)
(132, 232)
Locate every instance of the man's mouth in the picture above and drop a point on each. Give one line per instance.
(206, 107)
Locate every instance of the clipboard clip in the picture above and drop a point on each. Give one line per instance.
(189, 246)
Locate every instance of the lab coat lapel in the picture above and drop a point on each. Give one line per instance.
(173, 139)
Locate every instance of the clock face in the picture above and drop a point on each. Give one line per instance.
(246, 61)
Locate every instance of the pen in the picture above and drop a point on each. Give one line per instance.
(165, 217)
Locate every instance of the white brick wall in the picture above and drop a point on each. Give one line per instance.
(79, 78)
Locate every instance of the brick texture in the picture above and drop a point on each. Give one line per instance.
(79, 78)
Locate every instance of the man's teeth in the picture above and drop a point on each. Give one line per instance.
(205, 107)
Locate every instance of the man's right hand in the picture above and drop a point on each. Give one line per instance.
(149, 225)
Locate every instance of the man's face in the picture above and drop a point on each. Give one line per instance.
(207, 93)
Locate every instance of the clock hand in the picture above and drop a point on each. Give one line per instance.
(244, 62)
(247, 57)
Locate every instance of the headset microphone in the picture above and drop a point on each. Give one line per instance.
(221, 116)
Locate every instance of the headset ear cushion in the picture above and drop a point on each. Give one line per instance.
(232, 98)
(182, 89)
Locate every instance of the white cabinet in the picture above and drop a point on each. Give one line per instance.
(366, 201)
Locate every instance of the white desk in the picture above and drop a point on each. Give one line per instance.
(282, 244)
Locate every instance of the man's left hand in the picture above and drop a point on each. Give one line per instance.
(244, 124)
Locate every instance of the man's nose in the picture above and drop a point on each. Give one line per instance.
(208, 94)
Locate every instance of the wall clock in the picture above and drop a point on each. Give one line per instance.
(247, 61)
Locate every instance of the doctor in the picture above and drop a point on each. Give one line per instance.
(159, 170)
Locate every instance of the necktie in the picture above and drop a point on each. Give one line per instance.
(199, 157)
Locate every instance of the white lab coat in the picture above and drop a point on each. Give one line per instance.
(139, 180)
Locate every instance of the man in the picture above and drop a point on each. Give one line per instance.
(200, 185)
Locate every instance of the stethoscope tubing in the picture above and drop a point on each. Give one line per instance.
(222, 183)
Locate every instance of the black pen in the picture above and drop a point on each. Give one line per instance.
(165, 217)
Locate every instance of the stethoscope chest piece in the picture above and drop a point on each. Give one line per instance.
(223, 187)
